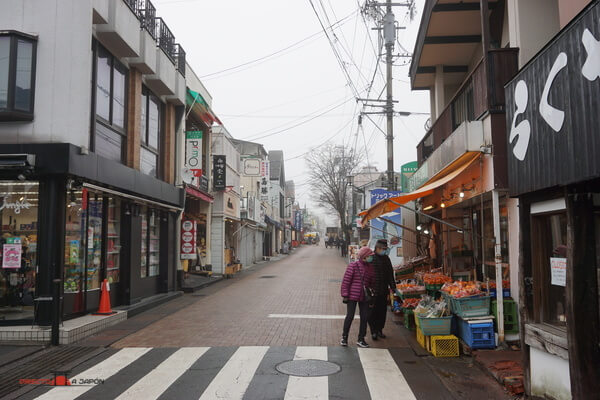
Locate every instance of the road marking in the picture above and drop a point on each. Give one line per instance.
(310, 316)
(160, 378)
(302, 388)
(233, 379)
(383, 375)
(101, 371)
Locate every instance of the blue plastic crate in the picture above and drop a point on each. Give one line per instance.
(505, 293)
(477, 335)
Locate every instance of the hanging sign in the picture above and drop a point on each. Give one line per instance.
(558, 271)
(11, 253)
(219, 172)
(193, 152)
(188, 239)
(264, 181)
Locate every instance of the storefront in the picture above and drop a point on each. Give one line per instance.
(198, 206)
(81, 219)
(553, 116)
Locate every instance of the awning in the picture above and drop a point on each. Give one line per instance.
(195, 100)
(198, 194)
(444, 176)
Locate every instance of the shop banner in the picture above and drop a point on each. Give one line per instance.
(265, 177)
(298, 220)
(558, 271)
(193, 152)
(219, 172)
(11, 253)
(251, 166)
(188, 239)
(383, 229)
(231, 206)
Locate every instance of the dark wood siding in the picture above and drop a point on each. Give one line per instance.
(573, 153)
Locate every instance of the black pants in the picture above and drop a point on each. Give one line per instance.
(377, 320)
(364, 311)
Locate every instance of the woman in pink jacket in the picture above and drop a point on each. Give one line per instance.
(358, 274)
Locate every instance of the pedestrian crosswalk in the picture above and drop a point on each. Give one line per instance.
(242, 373)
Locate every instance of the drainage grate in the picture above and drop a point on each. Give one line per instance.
(335, 280)
(199, 295)
(267, 276)
(40, 366)
(308, 368)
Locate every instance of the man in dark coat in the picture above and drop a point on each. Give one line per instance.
(384, 282)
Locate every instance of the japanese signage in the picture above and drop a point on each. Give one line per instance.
(231, 206)
(298, 220)
(251, 166)
(558, 271)
(264, 181)
(552, 111)
(382, 229)
(193, 152)
(11, 253)
(219, 172)
(188, 239)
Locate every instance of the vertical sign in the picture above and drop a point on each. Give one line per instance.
(264, 181)
(11, 253)
(193, 152)
(219, 171)
(298, 220)
(188, 239)
(558, 271)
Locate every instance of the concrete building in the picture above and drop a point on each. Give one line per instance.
(277, 197)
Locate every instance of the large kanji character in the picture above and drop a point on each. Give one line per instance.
(553, 116)
(591, 67)
(522, 131)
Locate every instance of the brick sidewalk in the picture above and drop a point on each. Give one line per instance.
(307, 282)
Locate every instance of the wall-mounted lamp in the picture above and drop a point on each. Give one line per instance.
(429, 207)
(461, 194)
(127, 209)
(443, 205)
(426, 232)
(419, 227)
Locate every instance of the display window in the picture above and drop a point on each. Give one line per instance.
(150, 262)
(19, 232)
(113, 236)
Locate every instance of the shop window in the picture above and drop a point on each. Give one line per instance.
(549, 258)
(94, 243)
(151, 120)
(110, 87)
(17, 76)
(18, 241)
(113, 237)
(74, 264)
(150, 243)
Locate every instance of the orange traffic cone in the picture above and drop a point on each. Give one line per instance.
(104, 308)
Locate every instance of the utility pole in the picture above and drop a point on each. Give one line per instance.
(389, 35)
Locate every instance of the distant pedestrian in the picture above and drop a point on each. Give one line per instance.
(358, 277)
(384, 282)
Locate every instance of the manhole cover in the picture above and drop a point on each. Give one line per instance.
(308, 368)
(335, 280)
(266, 276)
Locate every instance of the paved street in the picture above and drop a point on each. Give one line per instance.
(229, 339)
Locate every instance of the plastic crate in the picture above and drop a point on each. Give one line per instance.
(409, 320)
(511, 321)
(423, 340)
(477, 334)
(466, 307)
(434, 287)
(444, 346)
(448, 300)
(435, 326)
(505, 293)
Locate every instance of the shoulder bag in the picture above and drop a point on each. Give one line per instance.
(369, 293)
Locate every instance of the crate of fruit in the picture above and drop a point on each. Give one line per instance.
(435, 325)
(474, 306)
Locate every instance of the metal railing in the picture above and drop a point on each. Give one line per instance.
(180, 58)
(165, 39)
(146, 13)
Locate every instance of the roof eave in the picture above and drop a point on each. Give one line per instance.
(427, 11)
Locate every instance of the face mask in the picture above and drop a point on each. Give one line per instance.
(369, 259)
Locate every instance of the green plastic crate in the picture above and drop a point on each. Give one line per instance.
(409, 320)
(511, 320)
(435, 326)
(467, 307)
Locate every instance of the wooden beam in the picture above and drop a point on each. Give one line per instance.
(451, 7)
(448, 69)
(581, 294)
(453, 39)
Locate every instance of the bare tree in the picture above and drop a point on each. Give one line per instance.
(329, 167)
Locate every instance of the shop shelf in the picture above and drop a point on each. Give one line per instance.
(511, 321)
(444, 346)
(471, 306)
(435, 326)
(477, 334)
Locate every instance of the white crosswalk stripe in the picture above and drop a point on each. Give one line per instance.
(225, 373)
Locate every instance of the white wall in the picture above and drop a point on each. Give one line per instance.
(63, 69)
(549, 375)
(513, 246)
(217, 238)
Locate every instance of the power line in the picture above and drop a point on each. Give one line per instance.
(321, 144)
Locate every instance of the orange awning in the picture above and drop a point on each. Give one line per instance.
(444, 176)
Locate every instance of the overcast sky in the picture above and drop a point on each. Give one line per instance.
(293, 86)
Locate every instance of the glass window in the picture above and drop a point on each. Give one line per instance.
(109, 144)
(153, 243)
(18, 242)
(549, 250)
(119, 91)
(4, 70)
(150, 132)
(153, 122)
(144, 260)
(23, 75)
(103, 71)
(113, 236)
(17, 68)
(94, 243)
(74, 267)
(144, 106)
(148, 162)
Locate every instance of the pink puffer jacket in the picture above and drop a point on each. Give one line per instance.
(352, 284)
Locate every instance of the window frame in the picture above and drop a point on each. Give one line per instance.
(10, 113)
(145, 135)
(115, 64)
(146, 212)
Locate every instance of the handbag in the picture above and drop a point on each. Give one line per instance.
(369, 293)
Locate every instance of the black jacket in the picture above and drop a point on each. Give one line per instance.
(384, 275)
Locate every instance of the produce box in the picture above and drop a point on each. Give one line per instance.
(444, 346)
(477, 334)
(434, 287)
(511, 321)
(435, 326)
(477, 306)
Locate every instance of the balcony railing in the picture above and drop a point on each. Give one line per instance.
(165, 38)
(146, 13)
(479, 93)
(180, 58)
